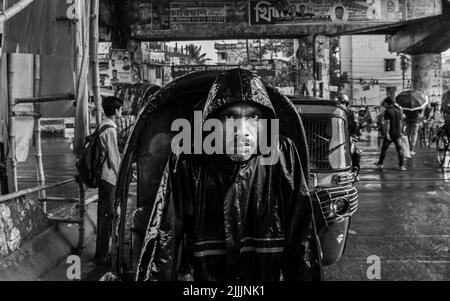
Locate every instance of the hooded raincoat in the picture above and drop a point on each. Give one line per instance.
(215, 219)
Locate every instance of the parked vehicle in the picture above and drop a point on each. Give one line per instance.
(332, 174)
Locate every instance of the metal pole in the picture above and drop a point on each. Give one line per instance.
(351, 69)
(260, 51)
(81, 71)
(13, 187)
(8, 197)
(94, 60)
(314, 71)
(37, 127)
(248, 51)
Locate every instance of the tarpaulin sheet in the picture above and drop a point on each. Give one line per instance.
(44, 28)
(33, 30)
(57, 70)
(23, 87)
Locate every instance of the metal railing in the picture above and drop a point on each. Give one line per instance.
(81, 201)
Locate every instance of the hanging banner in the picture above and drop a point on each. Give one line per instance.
(120, 71)
(263, 70)
(57, 69)
(304, 11)
(153, 15)
(416, 9)
(207, 12)
(32, 30)
(218, 19)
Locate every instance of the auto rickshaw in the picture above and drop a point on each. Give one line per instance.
(332, 174)
(148, 148)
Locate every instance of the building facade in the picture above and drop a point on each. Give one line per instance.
(238, 52)
(374, 73)
(446, 71)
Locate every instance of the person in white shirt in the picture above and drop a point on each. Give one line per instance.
(112, 106)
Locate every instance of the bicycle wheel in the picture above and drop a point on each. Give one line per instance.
(442, 149)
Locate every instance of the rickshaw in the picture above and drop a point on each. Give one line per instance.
(148, 148)
(332, 174)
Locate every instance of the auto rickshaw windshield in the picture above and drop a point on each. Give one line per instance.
(328, 142)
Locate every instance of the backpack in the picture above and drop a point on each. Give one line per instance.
(90, 162)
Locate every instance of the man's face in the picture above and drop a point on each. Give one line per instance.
(302, 9)
(126, 62)
(240, 125)
(339, 13)
(114, 74)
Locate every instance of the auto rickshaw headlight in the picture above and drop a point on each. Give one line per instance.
(313, 180)
(340, 206)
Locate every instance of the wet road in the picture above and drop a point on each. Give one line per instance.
(403, 218)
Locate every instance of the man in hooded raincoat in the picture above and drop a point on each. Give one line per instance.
(229, 217)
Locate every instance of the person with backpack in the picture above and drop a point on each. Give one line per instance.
(110, 161)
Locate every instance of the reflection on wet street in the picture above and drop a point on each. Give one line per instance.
(403, 218)
(59, 164)
(58, 159)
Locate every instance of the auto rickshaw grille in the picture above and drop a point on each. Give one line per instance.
(326, 198)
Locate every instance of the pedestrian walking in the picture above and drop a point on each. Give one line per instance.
(413, 120)
(393, 130)
(112, 106)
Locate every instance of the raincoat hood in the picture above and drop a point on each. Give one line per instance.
(238, 86)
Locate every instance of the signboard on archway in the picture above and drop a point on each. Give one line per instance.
(264, 70)
(218, 19)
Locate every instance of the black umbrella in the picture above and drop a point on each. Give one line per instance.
(411, 100)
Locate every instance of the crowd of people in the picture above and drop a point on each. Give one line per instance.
(394, 125)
